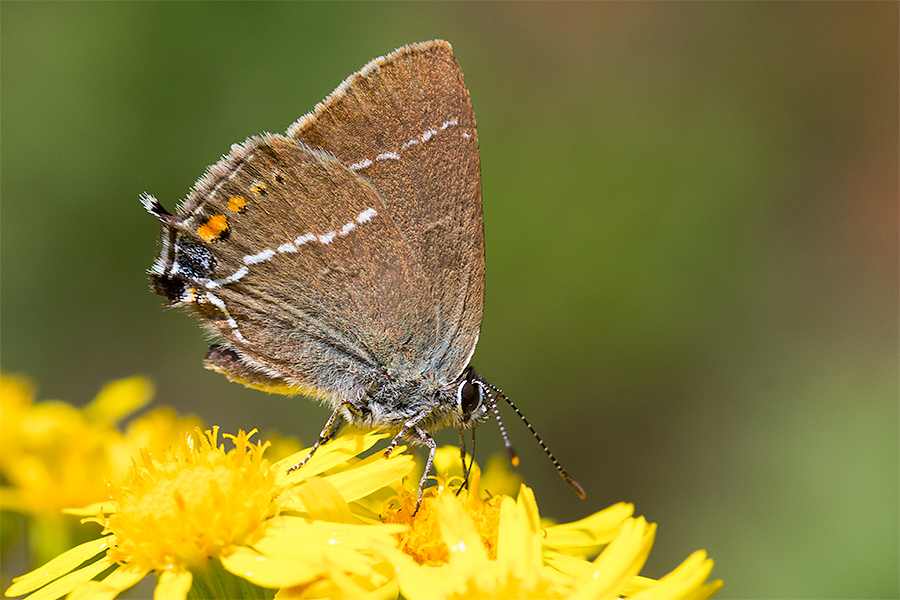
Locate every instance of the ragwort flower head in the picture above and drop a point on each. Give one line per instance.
(54, 455)
(215, 523)
(199, 512)
(460, 545)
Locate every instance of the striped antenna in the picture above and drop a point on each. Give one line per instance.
(512, 453)
(492, 405)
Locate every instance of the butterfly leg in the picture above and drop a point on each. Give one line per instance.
(432, 448)
(467, 469)
(421, 436)
(334, 423)
(462, 455)
(408, 426)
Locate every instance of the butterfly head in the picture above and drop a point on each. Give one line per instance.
(472, 403)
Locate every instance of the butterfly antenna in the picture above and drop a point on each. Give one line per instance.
(572, 483)
(492, 405)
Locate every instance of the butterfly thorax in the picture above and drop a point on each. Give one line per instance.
(391, 403)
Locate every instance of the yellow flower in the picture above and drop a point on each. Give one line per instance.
(54, 455)
(197, 509)
(220, 523)
(460, 546)
(422, 540)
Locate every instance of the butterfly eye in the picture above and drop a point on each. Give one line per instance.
(468, 397)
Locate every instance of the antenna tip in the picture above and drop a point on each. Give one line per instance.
(574, 484)
(513, 455)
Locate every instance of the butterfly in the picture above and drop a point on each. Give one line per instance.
(344, 260)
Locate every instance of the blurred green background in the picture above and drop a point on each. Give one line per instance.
(691, 214)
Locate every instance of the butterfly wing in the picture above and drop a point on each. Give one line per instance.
(350, 250)
(405, 124)
(289, 256)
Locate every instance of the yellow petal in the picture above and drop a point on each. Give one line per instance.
(705, 591)
(173, 585)
(65, 584)
(497, 479)
(619, 561)
(635, 588)
(381, 586)
(688, 577)
(276, 568)
(301, 538)
(92, 510)
(338, 450)
(518, 539)
(447, 461)
(586, 535)
(372, 474)
(110, 586)
(323, 502)
(467, 552)
(268, 571)
(572, 566)
(416, 582)
(298, 551)
(16, 392)
(58, 567)
(119, 398)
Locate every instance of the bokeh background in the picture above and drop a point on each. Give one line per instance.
(691, 214)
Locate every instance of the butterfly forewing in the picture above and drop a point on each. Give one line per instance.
(404, 123)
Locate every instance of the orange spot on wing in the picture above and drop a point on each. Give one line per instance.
(237, 204)
(214, 228)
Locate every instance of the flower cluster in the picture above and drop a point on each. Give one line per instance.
(218, 522)
(462, 545)
(54, 456)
